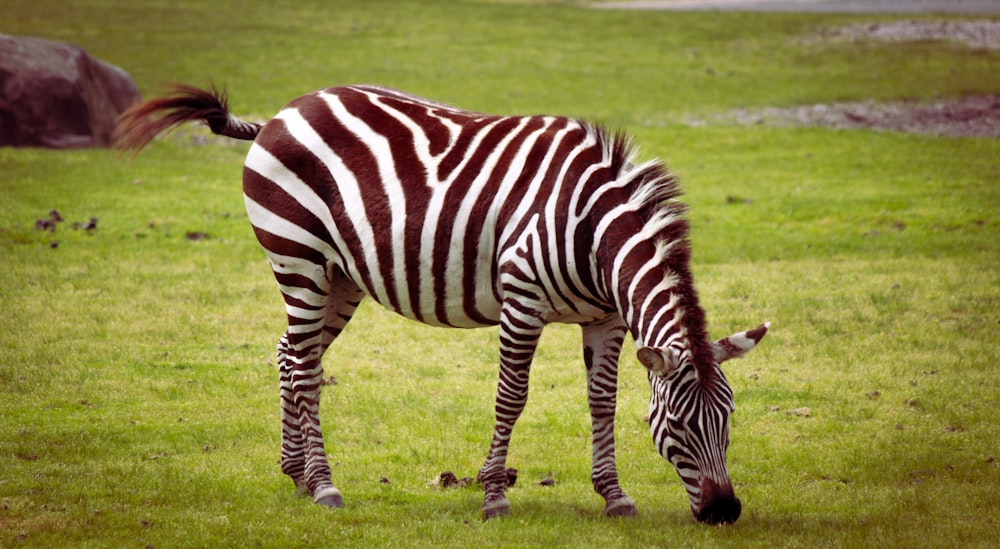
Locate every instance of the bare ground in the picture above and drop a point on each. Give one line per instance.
(815, 6)
(969, 116)
(979, 35)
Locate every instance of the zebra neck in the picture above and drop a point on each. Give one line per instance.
(654, 292)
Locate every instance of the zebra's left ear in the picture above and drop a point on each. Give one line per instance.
(659, 362)
(738, 344)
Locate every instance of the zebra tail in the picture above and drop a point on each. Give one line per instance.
(141, 123)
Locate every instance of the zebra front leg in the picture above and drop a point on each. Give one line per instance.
(602, 344)
(518, 338)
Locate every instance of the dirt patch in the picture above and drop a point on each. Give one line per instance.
(971, 116)
(810, 6)
(973, 34)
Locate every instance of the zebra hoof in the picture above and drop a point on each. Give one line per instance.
(329, 497)
(496, 508)
(621, 507)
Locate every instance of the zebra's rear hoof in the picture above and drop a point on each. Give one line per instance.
(621, 507)
(496, 508)
(329, 497)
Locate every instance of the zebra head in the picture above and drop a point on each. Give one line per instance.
(689, 419)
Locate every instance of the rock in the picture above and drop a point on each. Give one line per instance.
(50, 223)
(448, 479)
(58, 96)
(511, 476)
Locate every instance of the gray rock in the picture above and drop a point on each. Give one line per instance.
(56, 95)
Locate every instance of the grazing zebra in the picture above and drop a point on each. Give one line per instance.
(458, 218)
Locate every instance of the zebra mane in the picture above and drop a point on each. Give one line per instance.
(654, 183)
(654, 193)
(654, 190)
(651, 182)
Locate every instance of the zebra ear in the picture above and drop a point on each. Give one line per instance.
(656, 361)
(738, 344)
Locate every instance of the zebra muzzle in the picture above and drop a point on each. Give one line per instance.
(719, 505)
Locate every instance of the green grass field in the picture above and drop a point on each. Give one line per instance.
(138, 391)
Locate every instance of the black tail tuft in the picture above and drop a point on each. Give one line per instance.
(141, 123)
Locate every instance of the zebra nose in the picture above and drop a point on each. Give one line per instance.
(720, 511)
(719, 504)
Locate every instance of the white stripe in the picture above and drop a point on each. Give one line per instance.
(565, 240)
(265, 219)
(349, 188)
(428, 233)
(463, 222)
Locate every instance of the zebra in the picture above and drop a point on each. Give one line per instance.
(463, 219)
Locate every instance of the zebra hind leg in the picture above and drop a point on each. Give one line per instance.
(602, 343)
(303, 455)
(293, 462)
(316, 326)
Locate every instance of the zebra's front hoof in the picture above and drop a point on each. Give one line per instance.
(621, 507)
(329, 497)
(499, 507)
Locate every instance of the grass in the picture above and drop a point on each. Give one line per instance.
(138, 391)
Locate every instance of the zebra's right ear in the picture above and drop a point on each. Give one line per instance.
(657, 361)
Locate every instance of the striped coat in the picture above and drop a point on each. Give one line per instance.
(458, 218)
